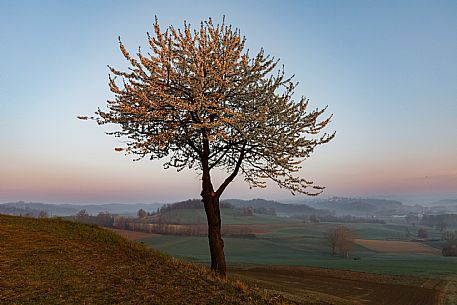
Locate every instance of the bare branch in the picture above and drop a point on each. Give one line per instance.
(232, 176)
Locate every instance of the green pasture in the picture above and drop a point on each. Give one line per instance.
(361, 230)
(304, 245)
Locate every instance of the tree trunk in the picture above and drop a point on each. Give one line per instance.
(213, 214)
(216, 244)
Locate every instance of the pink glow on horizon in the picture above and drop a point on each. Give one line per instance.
(78, 185)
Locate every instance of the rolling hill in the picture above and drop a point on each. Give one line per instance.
(335, 206)
(51, 261)
(280, 208)
(359, 206)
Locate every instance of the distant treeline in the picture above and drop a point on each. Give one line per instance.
(342, 219)
(198, 204)
(446, 220)
(108, 220)
(188, 230)
(190, 204)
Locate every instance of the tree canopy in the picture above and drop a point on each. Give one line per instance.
(198, 85)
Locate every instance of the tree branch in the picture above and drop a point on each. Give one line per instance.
(225, 151)
(232, 176)
(194, 147)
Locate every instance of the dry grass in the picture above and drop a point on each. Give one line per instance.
(50, 261)
(450, 291)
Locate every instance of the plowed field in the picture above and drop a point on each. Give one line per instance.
(340, 287)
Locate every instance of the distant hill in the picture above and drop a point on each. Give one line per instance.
(445, 202)
(21, 208)
(444, 206)
(14, 210)
(120, 208)
(359, 206)
(280, 208)
(336, 205)
(74, 263)
(51, 209)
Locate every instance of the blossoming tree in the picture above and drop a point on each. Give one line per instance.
(200, 101)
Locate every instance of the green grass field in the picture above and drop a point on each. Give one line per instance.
(298, 244)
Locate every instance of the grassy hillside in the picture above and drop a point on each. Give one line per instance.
(50, 261)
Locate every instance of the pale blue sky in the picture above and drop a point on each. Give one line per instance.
(387, 70)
